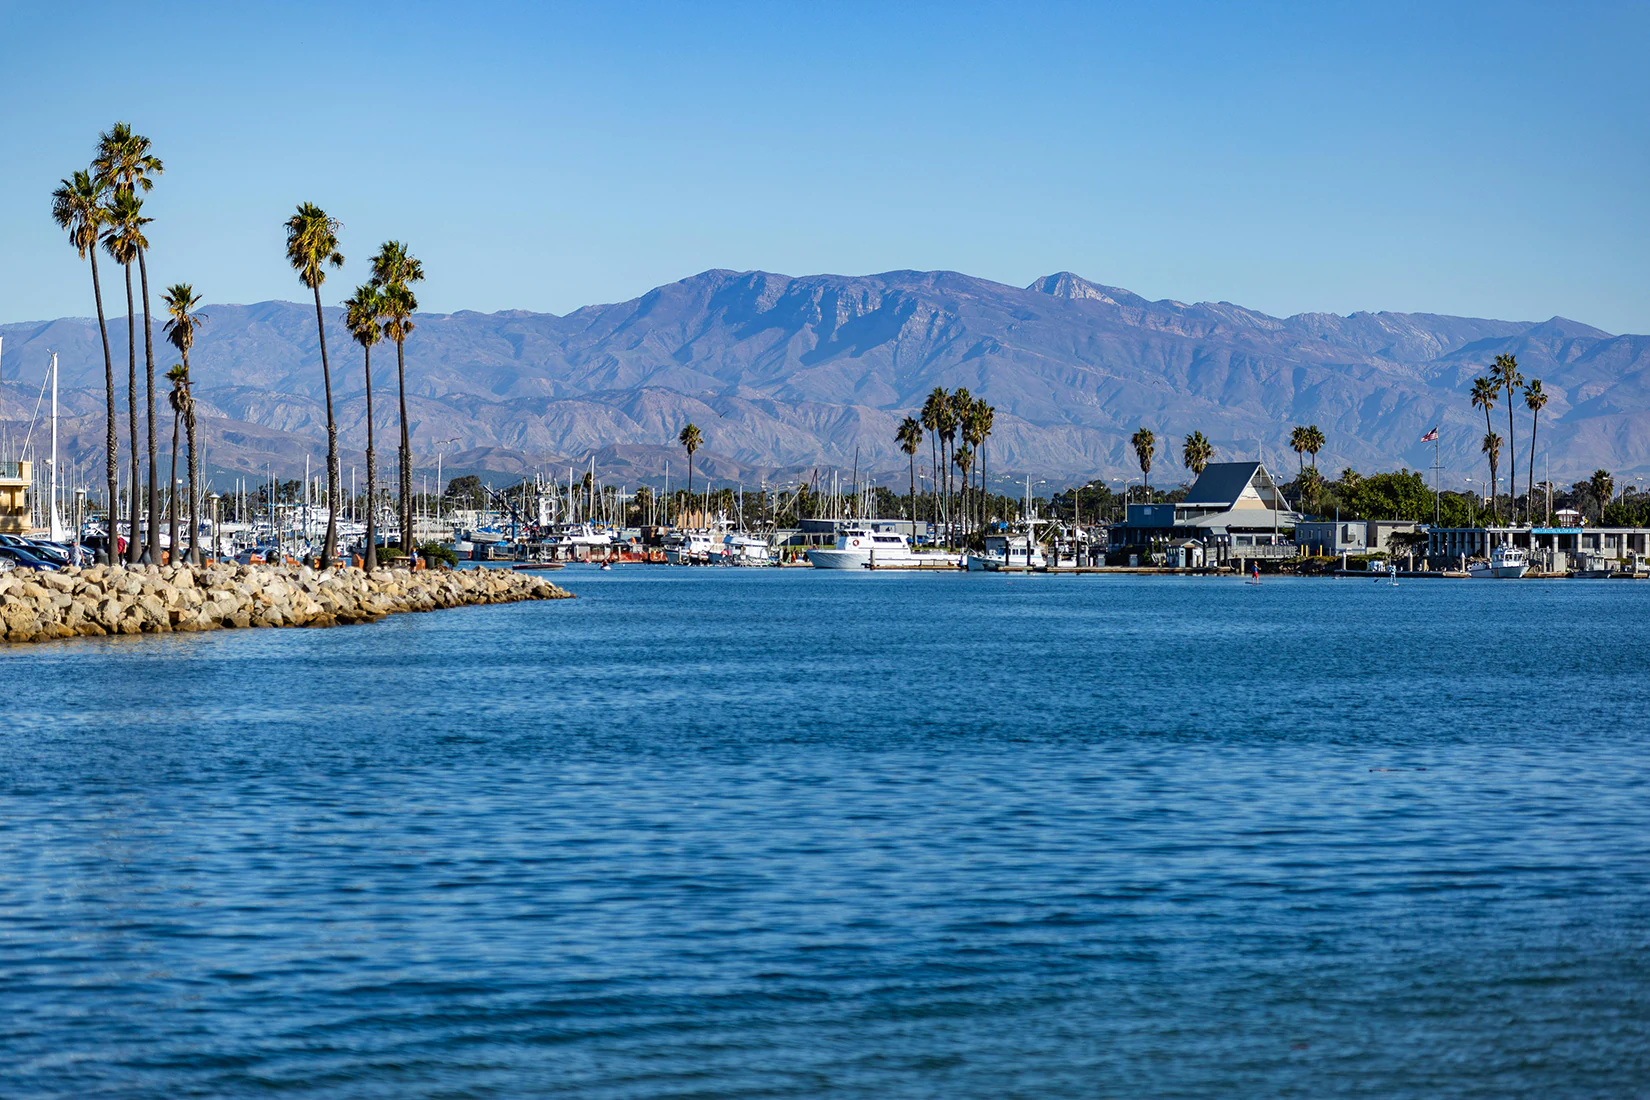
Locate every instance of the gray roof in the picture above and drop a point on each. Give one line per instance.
(1221, 483)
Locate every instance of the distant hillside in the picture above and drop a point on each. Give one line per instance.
(785, 374)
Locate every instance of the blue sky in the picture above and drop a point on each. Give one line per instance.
(1476, 159)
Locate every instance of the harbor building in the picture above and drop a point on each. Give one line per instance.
(1234, 509)
(1552, 549)
(16, 509)
(1332, 538)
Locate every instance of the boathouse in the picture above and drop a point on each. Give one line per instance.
(1234, 509)
(1552, 549)
(15, 505)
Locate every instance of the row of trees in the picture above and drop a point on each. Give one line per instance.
(1506, 381)
(102, 206)
(1196, 452)
(948, 418)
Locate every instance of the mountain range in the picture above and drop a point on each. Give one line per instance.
(788, 375)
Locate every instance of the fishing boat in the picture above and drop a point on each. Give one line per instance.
(688, 547)
(1506, 563)
(861, 547)
(740, 549)
(1008, 553)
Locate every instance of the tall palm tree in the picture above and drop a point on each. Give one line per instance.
(394, 271)
(124, 162)
(1535, 399)
(312, 246)
(973, 435)
(1145, 445)
(1298, 439)
(931, 410)
(1492, 451)
(77, 207)
(1505, 374)
(178, 398)
(1198, 451)
(181, 303)
(1314, 443)
(690, 439)
(123, 239)
(1603, 487)
(987, 420)
(909, 438)
(950, 424)
(362, 316)
(961, 458)
(1484, 394)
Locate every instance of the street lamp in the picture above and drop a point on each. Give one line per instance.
(217, 543)
(439, 488)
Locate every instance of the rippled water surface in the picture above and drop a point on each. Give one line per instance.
(723, 833)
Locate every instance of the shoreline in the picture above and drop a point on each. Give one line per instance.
(101, 600)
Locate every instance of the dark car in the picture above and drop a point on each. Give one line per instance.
(22, 559)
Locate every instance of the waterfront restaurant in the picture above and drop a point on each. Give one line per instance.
(1552, 549)
(1234, 509)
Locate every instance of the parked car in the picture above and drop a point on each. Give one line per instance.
(22, 559)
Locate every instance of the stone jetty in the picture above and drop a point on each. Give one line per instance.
(37, 607)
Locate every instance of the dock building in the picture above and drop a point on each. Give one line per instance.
(1234, 510)
(16, 507)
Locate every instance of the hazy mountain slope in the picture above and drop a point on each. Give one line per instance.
(787, 373)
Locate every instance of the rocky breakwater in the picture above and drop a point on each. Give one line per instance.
(36, 607)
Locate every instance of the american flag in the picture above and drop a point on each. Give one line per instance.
(1430, 436)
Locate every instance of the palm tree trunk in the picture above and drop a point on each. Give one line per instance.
(134, 545)
(111, 441)
(371, 558)
(912, 455)
(934, 498)
(149, 372)
(329, 548)
(406, 452)
(1512, 459)
(194, 473)
(172, 555)
(1529, 496)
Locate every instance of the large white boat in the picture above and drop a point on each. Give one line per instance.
(861, 548)
(741, 549)
(689, 547)
(1011, 553)
(1506, 563)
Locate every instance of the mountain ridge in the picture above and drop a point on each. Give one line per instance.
(787, 373)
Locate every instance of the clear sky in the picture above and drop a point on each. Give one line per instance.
(1477, 159)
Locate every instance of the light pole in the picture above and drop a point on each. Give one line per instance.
(440, 444)
(217, 543)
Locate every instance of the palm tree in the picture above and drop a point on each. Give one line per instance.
(987, 420)
(931, 410)
(77, 206)
(690, 439)
(973, 434)
(1484, 394)
(178, 398)
(1492, 450)
(124, 163)
(1145, 445)
(1314, 443)
(909, 438)
(123, 239)
(961, 458)
(1535, 400)
(1298, 439)
(181, 302)
(1505, 374)
(1603, 487)
(312, 245)
(951, 422)
(1198, 451)
(394, 271)
(362, 314)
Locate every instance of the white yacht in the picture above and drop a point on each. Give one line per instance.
(1506, 563)
(688, 547)
(740, 549)
(1012, 553)
(861, 548)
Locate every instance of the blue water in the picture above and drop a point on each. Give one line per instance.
(741, 833)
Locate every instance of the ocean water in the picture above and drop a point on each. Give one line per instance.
(753, 833)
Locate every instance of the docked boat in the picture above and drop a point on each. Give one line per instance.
(689, 547)
(1506, 563)
(862, 548)
(1007, 553)
(740, 549)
